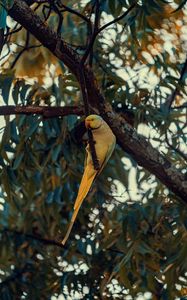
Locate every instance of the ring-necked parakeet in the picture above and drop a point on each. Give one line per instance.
(105, 142)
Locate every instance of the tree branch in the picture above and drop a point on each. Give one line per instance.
(35, 237)
(131, 142)
(144, 153)
(45, 111)
(180, 106)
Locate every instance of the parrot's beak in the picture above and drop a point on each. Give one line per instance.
(87, 124)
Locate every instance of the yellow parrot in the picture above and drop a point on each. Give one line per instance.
(105, 142)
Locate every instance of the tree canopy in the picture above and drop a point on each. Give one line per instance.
(126, 61)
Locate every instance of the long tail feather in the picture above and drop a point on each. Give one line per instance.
(84, 188)
(67, 233)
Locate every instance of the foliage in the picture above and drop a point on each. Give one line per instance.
(130, 236)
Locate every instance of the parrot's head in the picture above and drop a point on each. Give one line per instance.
(93, 121)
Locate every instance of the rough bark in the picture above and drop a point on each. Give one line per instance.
(127, 137)
(45, 111)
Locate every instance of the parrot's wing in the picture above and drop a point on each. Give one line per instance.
(108, 155)
(90, 173)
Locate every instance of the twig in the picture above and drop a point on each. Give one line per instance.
(94, 34)
(176, 92)
(58, 12)
(117, 19)
(1, 39)
(98, 30)
(183, 155)
(3, 57)
(72, 11)
(180, 106)
(35, 237)
(23, 50)
(46, 17)
(13, 31)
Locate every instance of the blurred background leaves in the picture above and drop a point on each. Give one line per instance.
(130, 236)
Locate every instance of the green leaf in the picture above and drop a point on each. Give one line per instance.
(57, 195)
(7, 3)
(115, 7)
(5, 85)
(18, 160)
(13, 132)
(49, 198)
(34, 123)
(55, 152)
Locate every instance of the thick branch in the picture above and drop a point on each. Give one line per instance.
(45, 111)
(141, 150)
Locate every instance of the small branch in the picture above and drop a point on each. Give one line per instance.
(13, 31)
(25, 16)
(176, 92)
(58, 12)
(23, 50)
(45, 111)
(72, 11)
(180, 106)
(97, 31)
(183, 155)
(118, 18)
(1, 39)
(84, 90)
(6, 54)
(94, 35)
(35, 237)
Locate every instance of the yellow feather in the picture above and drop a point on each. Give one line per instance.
(86, 182)
(104, 146)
